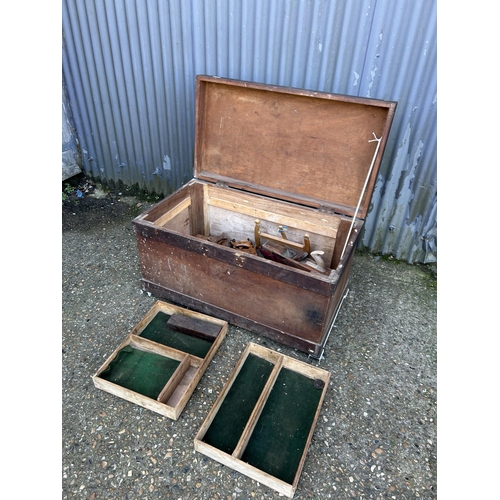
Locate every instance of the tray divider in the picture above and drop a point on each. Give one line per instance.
(174, 380)
(252, 421)
(215, 408)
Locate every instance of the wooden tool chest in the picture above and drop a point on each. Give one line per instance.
(264, 234)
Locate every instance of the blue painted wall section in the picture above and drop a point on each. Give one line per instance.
(129, 67)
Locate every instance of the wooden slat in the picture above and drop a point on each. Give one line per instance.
(305, 369)
(182, 389)
(206, 212)
(197, 218)
(322, 225)
(151, 346)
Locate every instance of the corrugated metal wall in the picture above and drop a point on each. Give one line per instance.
(70, 154)
(129, 67)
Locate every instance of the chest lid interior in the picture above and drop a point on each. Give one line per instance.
(307, 147)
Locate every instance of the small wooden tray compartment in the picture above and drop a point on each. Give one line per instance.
(263, 420)
(161, 361)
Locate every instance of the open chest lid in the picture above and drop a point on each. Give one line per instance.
(311, 148)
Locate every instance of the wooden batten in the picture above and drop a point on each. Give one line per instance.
(192, 326)
(259, 207)
(150, 346)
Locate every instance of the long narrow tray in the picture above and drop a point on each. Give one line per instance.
(263, 420)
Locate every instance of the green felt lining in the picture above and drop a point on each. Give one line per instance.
(143, 372)
(234, 412)
(157, 331)
(280, 435)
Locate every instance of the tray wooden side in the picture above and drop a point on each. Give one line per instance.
(234, 459)
(180, 386)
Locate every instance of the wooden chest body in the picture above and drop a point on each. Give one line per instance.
(300, 163)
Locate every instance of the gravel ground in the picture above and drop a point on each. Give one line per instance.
(376, 434)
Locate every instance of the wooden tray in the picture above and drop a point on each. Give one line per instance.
(263, 420)
(163, 358)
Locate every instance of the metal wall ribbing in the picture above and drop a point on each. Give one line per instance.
(129, 69)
